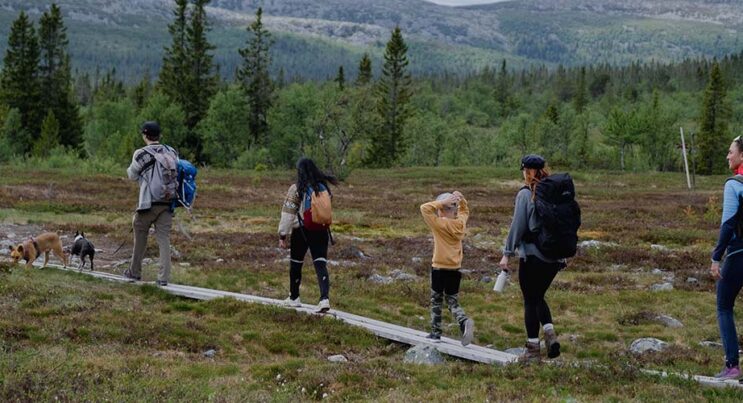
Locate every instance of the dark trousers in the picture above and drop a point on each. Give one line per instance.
(445, 284)
(317, 243)
(535, 277)
(728, 288)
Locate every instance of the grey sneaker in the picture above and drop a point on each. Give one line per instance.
(469, 332)
(293, 302)
(434, 337)
(324, 305)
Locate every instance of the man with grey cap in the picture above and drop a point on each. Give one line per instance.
(154, 167)
(447, 218)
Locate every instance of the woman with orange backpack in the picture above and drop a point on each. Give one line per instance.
(306, 216)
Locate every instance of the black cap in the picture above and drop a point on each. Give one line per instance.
(532, 161)
(151, 129)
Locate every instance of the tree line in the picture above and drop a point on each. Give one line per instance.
(596, 116)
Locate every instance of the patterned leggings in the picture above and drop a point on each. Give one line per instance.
(445, 284)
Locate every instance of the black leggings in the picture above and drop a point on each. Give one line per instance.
(535, 277)
(317, 243)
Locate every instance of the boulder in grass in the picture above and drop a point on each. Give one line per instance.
(645, 344)
(661, 287)
(337, 358)
(423, 354)
(379, 279)
(669, 321)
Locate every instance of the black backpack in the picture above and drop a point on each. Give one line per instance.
(739, 213)
(559, 215)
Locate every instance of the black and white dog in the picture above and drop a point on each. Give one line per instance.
(81, 248)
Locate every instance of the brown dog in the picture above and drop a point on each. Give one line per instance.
(33, 248)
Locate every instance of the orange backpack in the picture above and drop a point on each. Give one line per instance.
(321, 208)
(318, 210)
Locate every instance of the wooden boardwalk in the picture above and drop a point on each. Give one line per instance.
(386, 330)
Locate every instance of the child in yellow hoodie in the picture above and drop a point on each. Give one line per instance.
(447, 218)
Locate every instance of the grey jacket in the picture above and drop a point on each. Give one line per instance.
(139, 160)
(525, 220)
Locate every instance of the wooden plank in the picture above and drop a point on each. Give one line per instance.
(702, 379)
(383, 329)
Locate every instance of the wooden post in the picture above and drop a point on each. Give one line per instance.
(686, 161)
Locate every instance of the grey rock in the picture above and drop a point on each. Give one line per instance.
(646, 344)
(147, 261)
(668, 321)
(661, 287)
(378, 279)
(592, 243)
(210, 353)
(337, 358)
(657, 271)
(174, 252)
(220, 260)
(423, 354)
(486, 279)
(403, 276)
(659, 248)
(707, 343)
(692, 281)
(416, 259)
(516, 351)
(465, 271)
(11, 235)
(184, 264)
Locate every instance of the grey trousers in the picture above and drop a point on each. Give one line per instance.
(162, 218)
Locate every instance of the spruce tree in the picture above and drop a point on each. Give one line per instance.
(19, 80)
(713, 124)
(365, 70)
(254, 77)
(581, 97)
(340, 79)
(56, 79)
(172, 80)
(49, 138)
(202, 80)
(503, 97)
(393, 94)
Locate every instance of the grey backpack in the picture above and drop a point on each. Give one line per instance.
(163, 178)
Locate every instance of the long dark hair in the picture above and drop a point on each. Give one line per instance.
(308, 174)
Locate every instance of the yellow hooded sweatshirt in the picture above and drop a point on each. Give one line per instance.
(447, 234)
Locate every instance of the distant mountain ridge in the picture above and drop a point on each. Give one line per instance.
(314, 37)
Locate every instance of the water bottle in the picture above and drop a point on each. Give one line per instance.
(501, 281)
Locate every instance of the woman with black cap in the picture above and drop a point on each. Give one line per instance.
(536, 271)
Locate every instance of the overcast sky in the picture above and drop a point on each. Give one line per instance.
(464, 2)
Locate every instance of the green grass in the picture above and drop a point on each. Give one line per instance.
(71, 337)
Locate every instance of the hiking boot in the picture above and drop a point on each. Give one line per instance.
(550, 341)
(532, 354)
(293, 302)
(130, 278)
(161, 283)
(468, 331)
(435, 337)
(729, 373)
(324, 305)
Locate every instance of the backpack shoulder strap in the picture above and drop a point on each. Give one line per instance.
(737, 178)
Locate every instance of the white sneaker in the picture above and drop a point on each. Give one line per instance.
(324, 305)
(293, 302)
